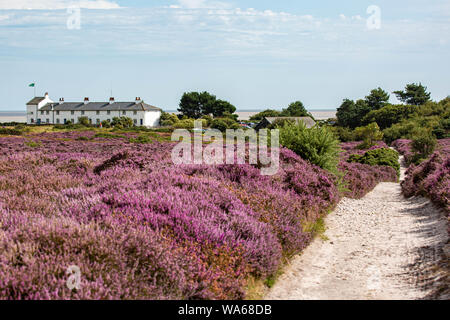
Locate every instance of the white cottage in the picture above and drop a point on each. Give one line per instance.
(42, 110)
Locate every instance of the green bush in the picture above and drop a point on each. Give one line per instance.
(423, 145)
(317, 145)
(106, 123)
(168, 119)
(370, 134)
(11, 131)
(378, 157)
(390, 115)
(122, 122)
(223, 124)
(84, 121)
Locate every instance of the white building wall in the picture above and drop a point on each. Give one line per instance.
(32, 111)
(152, 118)
(141, 118)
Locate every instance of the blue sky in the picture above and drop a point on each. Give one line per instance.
(256, 54)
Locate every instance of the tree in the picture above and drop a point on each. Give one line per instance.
(222, 107)
(414, 94)
(370, 135)
(295, 109)
(265, 114)
(377, 99)
(195, 105)
(350, 114)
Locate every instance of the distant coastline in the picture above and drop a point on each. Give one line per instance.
(244, 114)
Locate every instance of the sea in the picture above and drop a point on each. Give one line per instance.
(319, 114)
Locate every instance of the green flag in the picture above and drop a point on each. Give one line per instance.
(32, 85)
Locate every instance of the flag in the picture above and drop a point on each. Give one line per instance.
(32, 85)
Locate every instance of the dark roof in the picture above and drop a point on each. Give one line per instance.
(99, 106)
(35, 101)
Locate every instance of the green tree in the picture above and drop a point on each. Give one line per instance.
(194, 104)
(415, 94)
(295, 109)
(389, 115)
(265, 114)
(122, 122)
(377, 99)
(221, 107)
(317, 145)
(370, 135)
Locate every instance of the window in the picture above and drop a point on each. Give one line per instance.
(32, 120)
(108, 112)
(72, 112)
(39, 121)
(142, 122)
(72, 120)
(47, 112)
(47, 120)
(57, 121)
(135, 112)
(135, 121)
(65, 121)
(98, 121)
(90, 121)
(124, 113)
(98, 112)
(82, 113)
(57, 113)
(31, 112)
(42, 112)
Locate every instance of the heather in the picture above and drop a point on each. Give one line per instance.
(141, 228)
(431, 178)
(358, 178)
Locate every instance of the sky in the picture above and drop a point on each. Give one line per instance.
(257, 54)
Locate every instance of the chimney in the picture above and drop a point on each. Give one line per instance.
(111, 100)
(46, 95)
(61, 100)
(138, 100)
(86, 100)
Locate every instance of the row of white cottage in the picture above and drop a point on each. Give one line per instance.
(42, 110)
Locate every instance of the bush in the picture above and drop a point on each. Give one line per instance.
(378, 157)
(168, 119)
(370, 134)
(390, 115)
(122, 122)
(423, 145)
(317, 145)
(10, 131)
(84, 121)
(223, 124)
(106, 123)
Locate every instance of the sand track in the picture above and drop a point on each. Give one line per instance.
(380, 247)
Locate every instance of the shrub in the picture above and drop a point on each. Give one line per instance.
(122, 122)
(169, 119)
(223, 124)
(10, 131)
(106, 123)
(370, 134)
(317, 145)
(84, 121)
(378, 157)
(423, 145)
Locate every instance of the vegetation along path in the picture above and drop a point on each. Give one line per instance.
(380, 247)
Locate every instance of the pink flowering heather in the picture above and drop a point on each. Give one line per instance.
(432, 177)
(359, 178)
(139, 227)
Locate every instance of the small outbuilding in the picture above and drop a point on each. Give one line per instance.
(266, 122)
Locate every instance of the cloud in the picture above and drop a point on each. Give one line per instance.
(55, 4)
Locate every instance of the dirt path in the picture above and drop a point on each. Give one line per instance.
(380, 247)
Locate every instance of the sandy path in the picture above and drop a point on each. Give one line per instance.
(380, 247)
